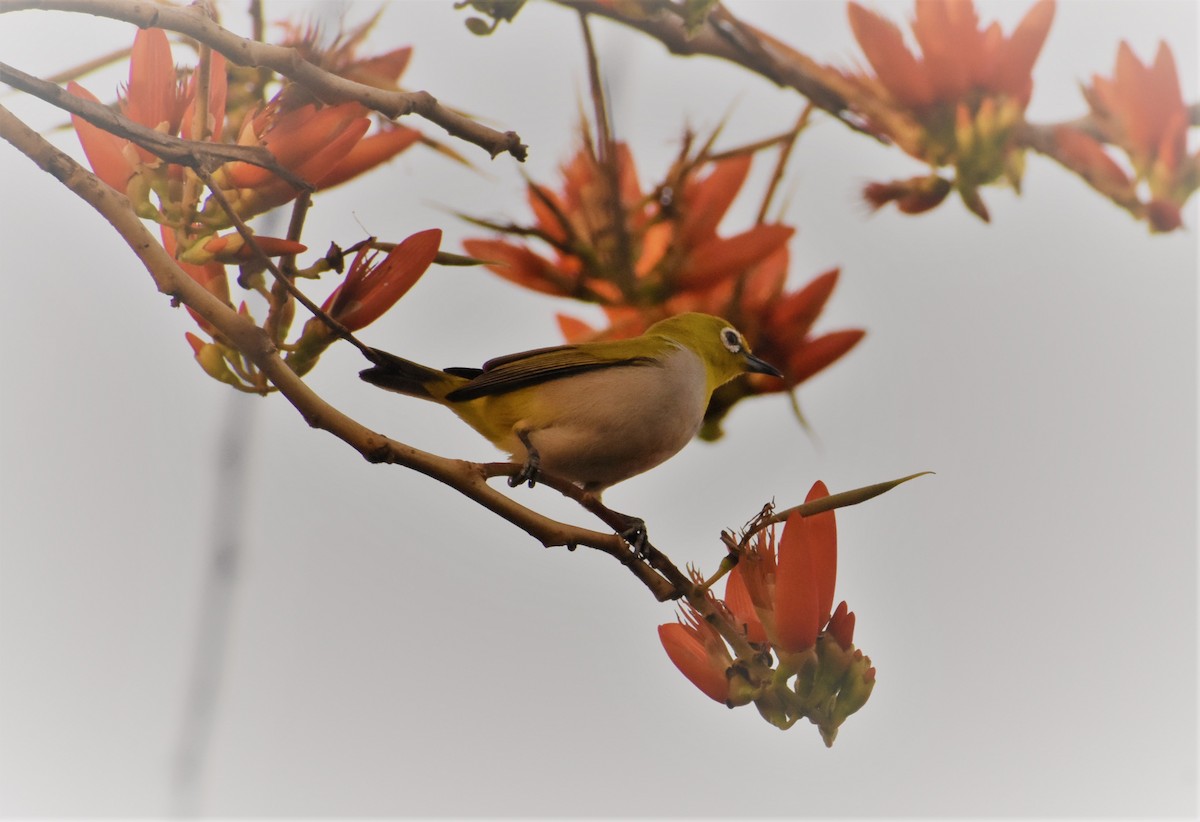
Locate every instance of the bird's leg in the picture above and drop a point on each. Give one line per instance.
(631, 529)
(533, 462)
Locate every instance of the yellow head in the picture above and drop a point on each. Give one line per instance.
(719, 345)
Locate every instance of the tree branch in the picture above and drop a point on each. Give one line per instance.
(726, 37)
(470, 479)
(288, 62)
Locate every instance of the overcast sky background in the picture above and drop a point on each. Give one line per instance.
(394, 650)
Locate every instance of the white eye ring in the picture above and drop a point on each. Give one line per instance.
(732, 340)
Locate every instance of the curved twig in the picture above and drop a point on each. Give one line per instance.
(288, 62)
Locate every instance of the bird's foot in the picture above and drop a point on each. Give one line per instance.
(532, 467)
(633, 531)
(528, 473)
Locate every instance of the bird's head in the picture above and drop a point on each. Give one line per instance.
(720, 346)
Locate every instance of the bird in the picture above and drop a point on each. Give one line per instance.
(593, 413)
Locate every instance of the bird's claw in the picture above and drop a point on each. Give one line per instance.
(528, 473)
(636, 535)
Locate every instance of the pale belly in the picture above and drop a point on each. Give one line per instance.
(605, 426)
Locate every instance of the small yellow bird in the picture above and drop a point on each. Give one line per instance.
(592, 413)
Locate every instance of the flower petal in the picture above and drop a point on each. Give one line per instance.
(368, 153)
(793, 315)
(820, 352)
(693, 660)
(822, 531)
(1015, 68)
(707, 200)
(372, 294)
(153, 95)
(897, 69)
(722, 258)
(797, 605)
(519, 265)
(104, 150)
(737, 598)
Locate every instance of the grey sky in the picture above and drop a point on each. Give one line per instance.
(394, 650)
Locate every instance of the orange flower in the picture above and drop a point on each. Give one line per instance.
(340, 56)
(791, 589)
(371, 288)
(370, 152)
(619, 246)
(308, 141)
(211, 275)
(105, 151)
(841, 626)
(801, 660)
(805, 577)
(231, 248)
(741, 605)
(154, 98)
(1141, 110)
(957, 102)
(699, 653)
(957, 59)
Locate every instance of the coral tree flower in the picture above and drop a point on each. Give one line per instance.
(154, 98)
(617, 245)
(1140, 109)
(779, 597)
(371, 287)
(699, 653)
(308, 141)
(956, 103)
(322, 145)
(791, 590)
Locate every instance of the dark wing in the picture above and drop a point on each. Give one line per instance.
(504, 374)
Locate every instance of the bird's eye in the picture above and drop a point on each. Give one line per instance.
(732, 340)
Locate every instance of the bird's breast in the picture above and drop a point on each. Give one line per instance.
(604, 426)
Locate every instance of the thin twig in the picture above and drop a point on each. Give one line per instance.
(785, 153)
(608, 159)
(287, 61)
(190, 153)
(281, 278)
(828, 503)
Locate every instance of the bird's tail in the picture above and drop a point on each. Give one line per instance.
(406, 377)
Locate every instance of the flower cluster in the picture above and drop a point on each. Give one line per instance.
(319, 145)
(958, 103)
(797, 656)
(1140, 109)
(648, 254)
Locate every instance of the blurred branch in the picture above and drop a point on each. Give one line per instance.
(216, 606)
(288, 62)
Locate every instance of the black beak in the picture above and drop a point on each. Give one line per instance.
(762, 366)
